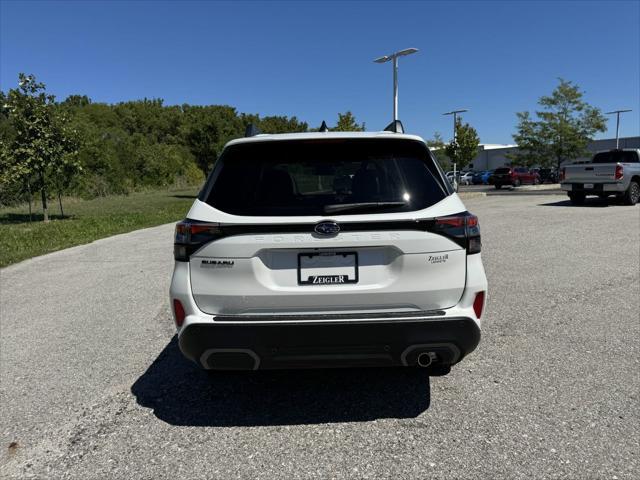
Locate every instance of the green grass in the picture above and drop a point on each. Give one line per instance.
(86, 221)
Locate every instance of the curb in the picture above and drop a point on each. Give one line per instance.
(472, 194)
(526, 192)
(510, 193)
(539, 188)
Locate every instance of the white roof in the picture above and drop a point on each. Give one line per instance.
(495, 146)
(322, 135)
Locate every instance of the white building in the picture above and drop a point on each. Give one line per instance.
(491, 156)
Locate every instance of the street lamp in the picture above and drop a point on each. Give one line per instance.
(617, 112)
(455, 122)
(394, 57)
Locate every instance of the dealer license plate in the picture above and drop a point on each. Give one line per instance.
(327, 268)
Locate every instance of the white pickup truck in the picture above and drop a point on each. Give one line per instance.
(614, 172)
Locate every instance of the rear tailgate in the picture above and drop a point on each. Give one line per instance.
(382, 270)
(590, 173)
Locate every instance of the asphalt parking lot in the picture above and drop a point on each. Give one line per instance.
(93, 386)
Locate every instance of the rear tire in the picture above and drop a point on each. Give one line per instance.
(632, 195)
(577, 198)
(498, 187)
(517, 183)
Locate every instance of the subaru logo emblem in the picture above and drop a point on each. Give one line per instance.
(327, 228)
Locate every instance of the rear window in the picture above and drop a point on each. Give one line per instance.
(615, 156)
(306, 177)
(502, 170)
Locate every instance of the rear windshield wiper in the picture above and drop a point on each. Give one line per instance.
(342, 207)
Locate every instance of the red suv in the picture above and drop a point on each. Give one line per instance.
(513, 176)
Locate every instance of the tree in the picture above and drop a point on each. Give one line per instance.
(15, 178)
(77, 101)
(565, 126)
(66, 166)
(276, 124)
(531, 148)
(464, 148)
(6, 130)
(10, 186)
(207, 129)
(347, 123)
(42, 147)
(437, 147)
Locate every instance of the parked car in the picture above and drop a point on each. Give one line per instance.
(449, 176)
(548, 175)
(481, 178)
(276, 268)
(513, 176)
(485, 176)
(466, 178)
(477, 178)
(614, 172)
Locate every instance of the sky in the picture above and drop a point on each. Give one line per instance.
(315, 59)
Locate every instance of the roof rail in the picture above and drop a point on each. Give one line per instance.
(395, 127)
(251, 130)
(323, 127)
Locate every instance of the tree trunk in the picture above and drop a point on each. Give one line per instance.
(60, 203)
(43, 193)
(30, 200)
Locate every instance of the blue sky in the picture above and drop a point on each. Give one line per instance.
(313, 60)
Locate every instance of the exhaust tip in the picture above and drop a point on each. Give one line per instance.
(230, 359)
(425, 359)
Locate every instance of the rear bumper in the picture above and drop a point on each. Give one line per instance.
(304, 342)
(613, 187)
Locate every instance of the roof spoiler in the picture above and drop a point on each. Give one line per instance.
(251, 130)
(395, 127)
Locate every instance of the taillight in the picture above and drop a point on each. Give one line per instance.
(619, 172)
(463, 228)
(478, 304)
(455, 222)
(563, 174)
(178, 311)
(191, 235)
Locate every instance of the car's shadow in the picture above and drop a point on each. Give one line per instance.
(589, 203)
(181, 393)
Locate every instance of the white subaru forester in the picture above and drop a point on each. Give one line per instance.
(328, 249)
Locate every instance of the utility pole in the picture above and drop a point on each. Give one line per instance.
(455, 123)
(394, 58)
(617, 112)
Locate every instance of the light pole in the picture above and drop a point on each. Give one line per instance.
(394, 57)
(455, 122)
(617, 112)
